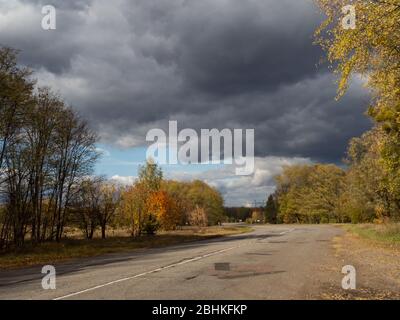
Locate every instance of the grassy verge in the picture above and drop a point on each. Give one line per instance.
(49, 253)
(385, 234)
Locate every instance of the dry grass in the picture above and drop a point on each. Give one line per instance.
(384, 234)
(72, 248)
(374, 250)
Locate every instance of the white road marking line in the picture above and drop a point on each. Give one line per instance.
(146, 273)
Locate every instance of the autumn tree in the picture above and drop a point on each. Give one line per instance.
(152, 203)
(136, 200)
(290, 186)
(201, 194)
(370, 50)
(165, 209)
(131, 207)
(198, 217)
(310, 193)
(189, 195)
(177, 190)
(45, 149)
(150, 176)
(367, 195)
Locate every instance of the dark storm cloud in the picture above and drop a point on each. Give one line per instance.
(256, 46)
(130, 66)
(60, 4)
(39, 48)
(227, 47)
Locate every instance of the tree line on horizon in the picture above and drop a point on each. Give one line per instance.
(361, 191)
(47, 181)
(153, 203)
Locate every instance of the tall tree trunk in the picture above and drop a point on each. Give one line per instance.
(103, 231)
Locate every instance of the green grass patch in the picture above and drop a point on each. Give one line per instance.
(384, 233)
(48, 253)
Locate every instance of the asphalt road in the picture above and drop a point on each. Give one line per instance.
(272, 262)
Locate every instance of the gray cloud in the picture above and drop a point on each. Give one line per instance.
(240, 190)
(129, 66)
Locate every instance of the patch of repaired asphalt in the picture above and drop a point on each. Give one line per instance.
(244, 271)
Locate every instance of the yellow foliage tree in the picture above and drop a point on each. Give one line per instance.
(310, 193)
(198, 217)
(165, 210)
(372, 50)
(133, 208)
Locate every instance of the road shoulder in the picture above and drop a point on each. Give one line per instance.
(377, 269)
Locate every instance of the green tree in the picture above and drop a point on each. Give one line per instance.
(150, 176)
(367, 195)
(271, 210)
(202, 195)
(189, 195)
(310, 193)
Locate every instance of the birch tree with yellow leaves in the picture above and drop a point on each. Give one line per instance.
(371, 50)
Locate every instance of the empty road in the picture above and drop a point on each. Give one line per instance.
(272, 262)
